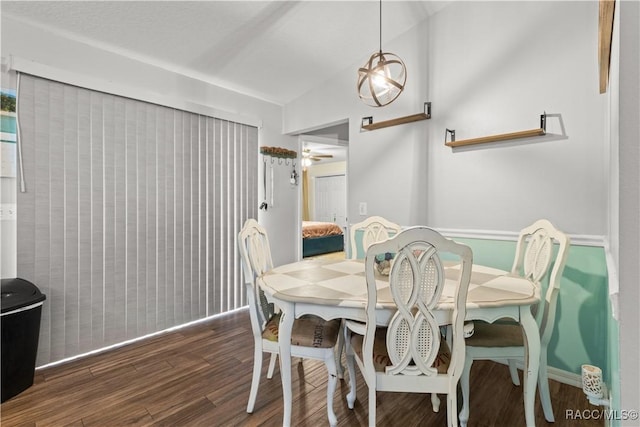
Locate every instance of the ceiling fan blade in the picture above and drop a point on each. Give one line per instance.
(308, 153)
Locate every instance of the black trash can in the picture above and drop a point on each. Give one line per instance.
(20, 324)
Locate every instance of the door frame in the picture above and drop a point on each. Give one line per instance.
(302, 138)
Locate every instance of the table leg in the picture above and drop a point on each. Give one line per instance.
(284, 342)
(532, 363)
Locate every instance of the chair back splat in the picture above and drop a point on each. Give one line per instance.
(255, 252)
(373, 229)
(534, 255)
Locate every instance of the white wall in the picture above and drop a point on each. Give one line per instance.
(487, 67)
(494, 68)
(140, 80)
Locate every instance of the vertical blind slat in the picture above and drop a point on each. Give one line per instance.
(71, 234)
(161, 254)
(84, 304)
(56, 217)
(42, 202)
(131, 269)
(119, 309)
(202, 218)
(97, 219)
(151, 244)
(170, 220)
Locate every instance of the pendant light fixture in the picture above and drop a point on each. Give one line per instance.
(381, 79)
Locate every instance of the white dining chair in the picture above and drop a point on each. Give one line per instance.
(504, 340)
(410, 355)
(373, 229)
(312, 337)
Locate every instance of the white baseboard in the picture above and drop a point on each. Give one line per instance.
(555, 374)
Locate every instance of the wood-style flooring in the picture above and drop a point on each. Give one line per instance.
(200, 376)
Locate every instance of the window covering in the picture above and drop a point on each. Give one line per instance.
(130, 215)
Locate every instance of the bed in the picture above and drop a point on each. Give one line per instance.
(321, 238)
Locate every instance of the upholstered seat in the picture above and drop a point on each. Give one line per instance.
(381, 357)
(308, 331)
(496, 335)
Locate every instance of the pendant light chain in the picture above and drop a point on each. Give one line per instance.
(380, 26)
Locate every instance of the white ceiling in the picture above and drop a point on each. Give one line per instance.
(272, 50)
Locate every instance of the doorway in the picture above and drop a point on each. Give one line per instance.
(324, 177)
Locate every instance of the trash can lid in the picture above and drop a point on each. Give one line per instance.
(17, 293)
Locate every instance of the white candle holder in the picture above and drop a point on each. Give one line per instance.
(592, 385)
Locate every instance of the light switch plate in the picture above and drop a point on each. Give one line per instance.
(363, 208)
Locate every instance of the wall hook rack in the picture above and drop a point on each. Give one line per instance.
(368, 124)
(542, 130)
(282, 154)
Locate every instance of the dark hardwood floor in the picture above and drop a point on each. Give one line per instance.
(201, 375)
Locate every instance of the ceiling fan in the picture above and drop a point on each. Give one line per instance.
(308, 154)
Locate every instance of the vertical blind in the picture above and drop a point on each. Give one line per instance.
(130, 215)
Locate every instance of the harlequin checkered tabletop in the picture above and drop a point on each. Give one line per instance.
(343, 283)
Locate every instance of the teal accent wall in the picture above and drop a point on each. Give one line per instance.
(582, 329)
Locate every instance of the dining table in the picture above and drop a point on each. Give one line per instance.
(337, 289)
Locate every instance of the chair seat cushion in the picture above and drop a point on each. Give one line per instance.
(495, 335)
(381, 357)
(308, 331)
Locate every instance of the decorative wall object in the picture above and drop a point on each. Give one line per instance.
(605, 32)
(283, 155)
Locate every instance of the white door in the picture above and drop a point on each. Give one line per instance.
(331, 199)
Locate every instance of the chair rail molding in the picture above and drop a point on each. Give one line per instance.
(576, 239)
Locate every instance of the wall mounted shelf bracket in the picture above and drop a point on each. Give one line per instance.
(493, 138)
(367, 122)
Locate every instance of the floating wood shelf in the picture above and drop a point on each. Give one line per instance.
(494, 138)
(400, 120)
(542, 130)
